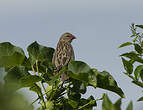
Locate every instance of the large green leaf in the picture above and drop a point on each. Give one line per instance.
(127, 65)
(133, 56)
(29, 80)
(39, 52)
(79, 69)
(14, 76)
(107, 82)
(125, 44)
(10, 55)
(10, 100)
(138, 71)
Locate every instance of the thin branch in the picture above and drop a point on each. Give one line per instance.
(33, 70)
(35, 101)
(37, 68)
(43, 86)
(39, 84)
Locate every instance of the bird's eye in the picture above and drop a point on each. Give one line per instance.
(68, 36)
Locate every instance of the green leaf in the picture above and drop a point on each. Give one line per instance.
(138, 48)
(29, 80)
(118, 104)
(138, 71)
(10, 55)
(73, 103)
(141, 74)
(79, 69)
(13, 100)
(107, 104)
(80, 76)
(78, 86)
(138, 83)
(82, 88)
(140, 26)
(14, 76)
(35, 88)
(87, 104)
(92, 79)
(74, 95)
(140, 99)
(127, 65)
(54, 79)
(130, 106)
(39, 52)
(135, 39)
(1, 74)
(133, 56)
(107, 82)
(49, 105)
(125, 44)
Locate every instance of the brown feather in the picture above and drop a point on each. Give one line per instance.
(63, 54)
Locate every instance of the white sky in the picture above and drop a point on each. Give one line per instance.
(99, 25)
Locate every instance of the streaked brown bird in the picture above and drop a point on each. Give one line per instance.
(64, 53)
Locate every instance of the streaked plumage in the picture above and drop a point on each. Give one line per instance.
(64, 53)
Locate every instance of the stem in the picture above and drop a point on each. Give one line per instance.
(33, 70)
(37, 71)
(37, 68)
(42, 97)
(43, 100)
(43, 87)
(84, 105)
(35, 101)
(89, 103)
(51, 94)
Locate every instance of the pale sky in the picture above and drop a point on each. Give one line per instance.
(99, 25)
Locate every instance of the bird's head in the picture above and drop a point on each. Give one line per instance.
(67, 37)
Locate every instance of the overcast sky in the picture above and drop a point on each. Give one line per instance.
(99, 25)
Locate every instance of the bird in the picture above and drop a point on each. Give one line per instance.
(63, 54)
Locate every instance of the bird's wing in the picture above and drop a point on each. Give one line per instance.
(72, 53)
(63, 54)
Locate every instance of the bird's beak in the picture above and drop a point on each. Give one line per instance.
(73, 37)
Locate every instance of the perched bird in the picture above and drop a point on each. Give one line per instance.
(64, 53)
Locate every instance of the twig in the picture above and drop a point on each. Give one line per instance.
(35, 101)
(39, 83)
(33, 70)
